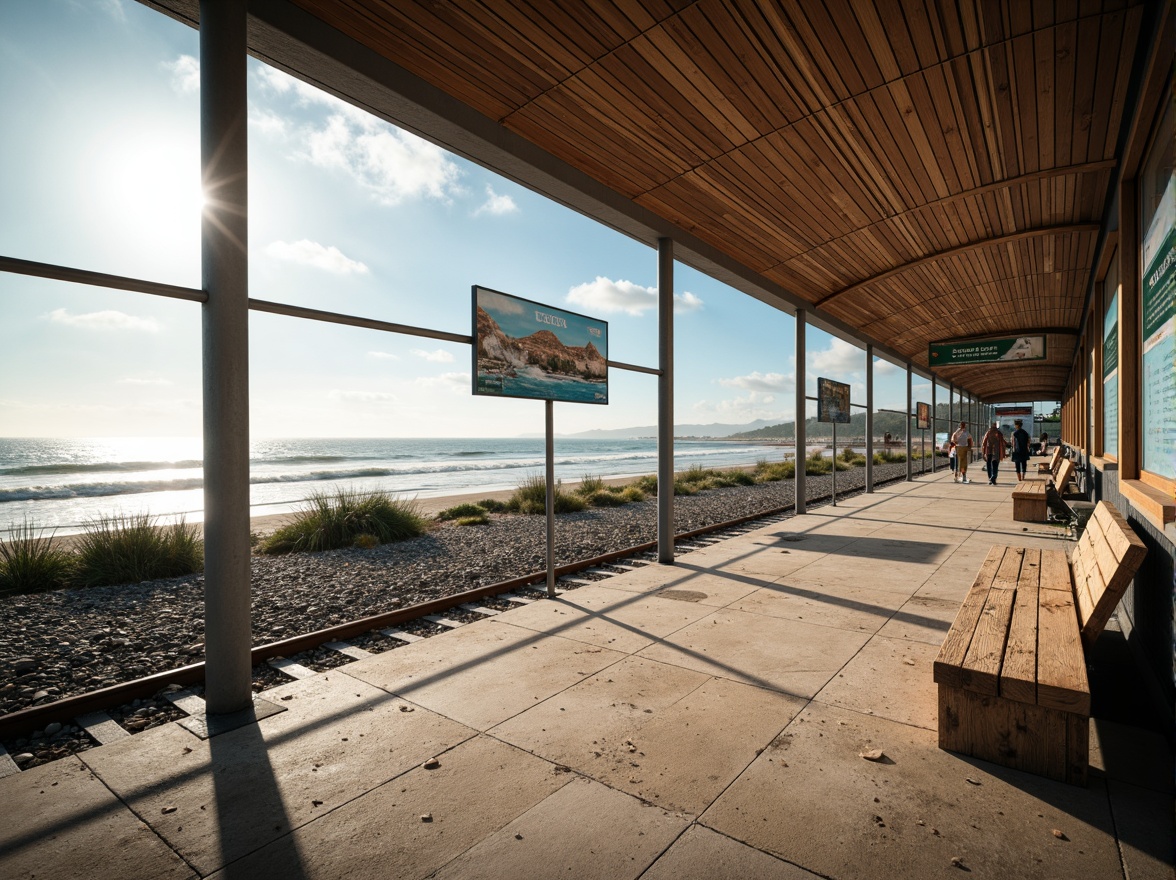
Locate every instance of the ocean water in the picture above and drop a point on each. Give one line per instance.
(60, 484)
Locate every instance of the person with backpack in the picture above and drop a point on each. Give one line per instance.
(994, 448)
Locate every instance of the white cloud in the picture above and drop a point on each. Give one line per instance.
(839, 358)
(311, 253)
(453, 381)
(114, 9)
(185, 74)
(383, 355)
(496, 204)
(362, 396)
(883, 367)
(130, 380)
(755, 405)
(440, 356)
(266, 121)
(106, 320)
(757, 381)
(608, 296)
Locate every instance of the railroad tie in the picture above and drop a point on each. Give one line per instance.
(7, 765)
(290, 668)
(400, 635)
(478, 609)
(443, 621)
(186, 701)
(102, 727)
(349, 650)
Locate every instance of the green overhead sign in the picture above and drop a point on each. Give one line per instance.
(986, 351)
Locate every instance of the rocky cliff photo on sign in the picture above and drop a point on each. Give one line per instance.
(527, 349)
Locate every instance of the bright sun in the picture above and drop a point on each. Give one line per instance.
(150, 187)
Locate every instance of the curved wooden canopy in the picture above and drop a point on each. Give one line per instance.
(913, 170)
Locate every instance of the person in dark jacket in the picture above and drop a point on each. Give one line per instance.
(1020, 449)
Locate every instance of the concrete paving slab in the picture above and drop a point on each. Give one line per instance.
(810, 799)
(584, 830)
(1131, 754)
(578, 725)
(715, 588)
(852, 608)
(889, 678)
(216, 800)
(677, 743)
(1144, 822)
(790, 656)
(480, 786)
(702, 854)
(923, 618)
(62, 822)
(485, 672)
(616, 619)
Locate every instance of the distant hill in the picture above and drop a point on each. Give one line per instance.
(884, 422)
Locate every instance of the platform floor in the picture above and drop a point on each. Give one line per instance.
(701, 720)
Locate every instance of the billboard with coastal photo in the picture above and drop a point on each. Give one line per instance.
(531, 350)
(833, 402)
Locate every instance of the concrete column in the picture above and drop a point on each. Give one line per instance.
(800, 486)
(665, 401)
(225, 270)
(869, 418)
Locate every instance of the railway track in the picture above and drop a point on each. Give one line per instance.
(107, 714)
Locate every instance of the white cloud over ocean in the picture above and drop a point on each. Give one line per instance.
(438, 356)
(105, 320)
(392, 165)
(185, 74)
(311, 253)
(606, 296)
(496, 204)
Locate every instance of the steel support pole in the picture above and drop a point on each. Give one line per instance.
(910, 475)
(869, 418)
(934, 423)
(549, 461)
(800, 487)
(665, 401)
(225, 270)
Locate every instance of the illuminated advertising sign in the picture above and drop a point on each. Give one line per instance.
(986, 351)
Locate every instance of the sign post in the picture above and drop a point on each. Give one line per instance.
(833, 407)
(527, 349)
(923, 422)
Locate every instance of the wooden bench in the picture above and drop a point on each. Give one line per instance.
(1050, 467)
(1012, 673)
(1029, 501)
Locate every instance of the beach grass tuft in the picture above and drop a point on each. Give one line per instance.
(473, 520)
(329, 522)
(589, 486)
(530, 497)
(493, 505)
(32, 563)
(128, 548)
(461, 510)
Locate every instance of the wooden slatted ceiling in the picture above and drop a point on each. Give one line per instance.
(921, 169)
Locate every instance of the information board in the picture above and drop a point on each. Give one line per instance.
(1159, 340)
(527, 349)
(833, 402)
(923, 417)
(986, 351)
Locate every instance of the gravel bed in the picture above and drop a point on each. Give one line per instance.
(73, 641)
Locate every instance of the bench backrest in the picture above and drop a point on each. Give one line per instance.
(1062, 475)
(1105, 560)
(1055, 459)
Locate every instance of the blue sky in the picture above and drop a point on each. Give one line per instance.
(99, 170)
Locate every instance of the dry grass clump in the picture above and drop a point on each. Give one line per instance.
(330, 522)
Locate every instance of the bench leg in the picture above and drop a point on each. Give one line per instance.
(1023, 736)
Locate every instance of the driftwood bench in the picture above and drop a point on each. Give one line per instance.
(1012, 673)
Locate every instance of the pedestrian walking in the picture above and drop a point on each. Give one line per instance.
(963, 443)
(952, 460)
(1020, 449)
(994, 448)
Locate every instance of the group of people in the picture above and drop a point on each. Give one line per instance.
(994, 449)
